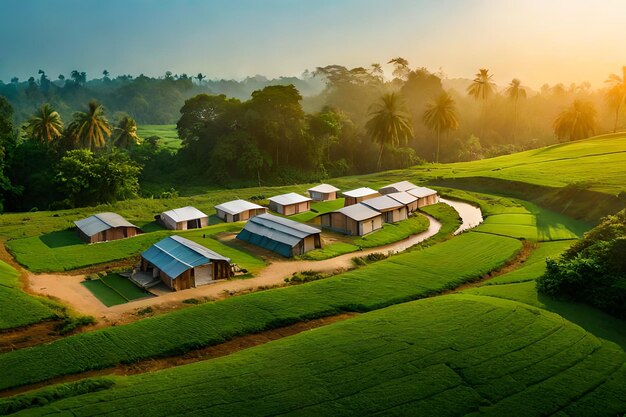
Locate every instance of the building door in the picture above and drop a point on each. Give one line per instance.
(203, 274)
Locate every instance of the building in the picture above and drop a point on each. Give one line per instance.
(392, 210)
(280, 235)
(410, 201)
(397, 187)
(182, 264)
(288, 204)
(238, 210)
(183, 218)
(323, 192)
(358, 195)
(425, 196)
(103, 227)
(355, 220)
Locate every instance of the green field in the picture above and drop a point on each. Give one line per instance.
(167, 133)
(317, 209)
(114, 289)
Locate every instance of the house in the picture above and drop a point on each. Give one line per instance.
(355, 220)
(392, 210)
(288, 204)
(425, 196)
(397, 187)
(358, 195)
(283, 236)
(323, 192)
(410, 201)
(182, 264)
(183, 218)
(238, 210)
(103, 227)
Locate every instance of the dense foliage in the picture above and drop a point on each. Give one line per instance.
(593, 270)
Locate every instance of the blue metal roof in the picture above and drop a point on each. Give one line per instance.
(174, 255)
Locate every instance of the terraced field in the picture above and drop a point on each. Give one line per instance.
(167, 133)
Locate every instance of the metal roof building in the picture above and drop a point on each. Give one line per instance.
(238, 210)
(357, 220)
(358, 195)
(392, 210)
(184, 218)
(283, 236)
(425, 196)
(290, 203)
(397, 186)
(105, 226)
(323, 192)
(409, 200)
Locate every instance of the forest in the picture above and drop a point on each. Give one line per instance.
(71, 142)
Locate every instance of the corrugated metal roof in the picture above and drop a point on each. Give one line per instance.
(184, 214)
(421, 192)
(382, 203)
(174, 255)
(397, 186)
(279, 229)
(324, 188)
(403, 197)
(358, 212)
(360, 192)
(289, 198)
(237, 206)
(101, 222)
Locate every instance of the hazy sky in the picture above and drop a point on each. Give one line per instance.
(537, 41)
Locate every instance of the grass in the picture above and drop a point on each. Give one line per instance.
(317, 209)
(452, 355)
(167, 133)
(114, 289)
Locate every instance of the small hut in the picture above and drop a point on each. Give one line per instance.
(425, 196)
(358, 195)
(103, 227)
(280, 235)
(323, 192)
(397, 187)
(182, 264)
(238, 210)
(392, 210)
(410, 201)
(183, 218)
(289, 204)
(354, 220)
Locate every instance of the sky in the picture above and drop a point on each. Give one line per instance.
(538, 41)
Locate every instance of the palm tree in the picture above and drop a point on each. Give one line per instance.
(441, 116)
(514, 93)
(200, 77)
(45, 125)
(482, 88)
(90, 129)
(125, 133)
(576, 122)
(616, 95)
(390, 123)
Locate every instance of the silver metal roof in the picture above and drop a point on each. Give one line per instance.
(101, 222)
(279, 229)
(360, 192)
(324, 188)
(184, 214)
(382, 203)
(403, 197)
(289, 198)
(237, 206)
(358, 212)
(397, 186)
(421, 192)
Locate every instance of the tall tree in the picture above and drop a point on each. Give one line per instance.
(90, 129)
(441, 116)
(514, 92)
(616, 94)
(200, 77)
(576, 122)
(125, 133)
(400, 67)
(389, 123)
(482, 88)
(45, 125)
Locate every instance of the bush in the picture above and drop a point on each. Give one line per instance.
(69, 324)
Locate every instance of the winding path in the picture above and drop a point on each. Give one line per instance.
(68, 288)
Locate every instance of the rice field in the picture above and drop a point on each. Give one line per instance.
(114, 289)
(167, 133)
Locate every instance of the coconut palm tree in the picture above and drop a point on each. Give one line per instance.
(616, 95)
(441, 116)
(576, 122)
(125, 133)
(482, 88)
(45, 125)
(90, 129)
(390, 123)
(514, 92)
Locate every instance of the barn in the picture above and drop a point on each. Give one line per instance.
(288, 204)
(323, 192)
(103, 227)
(392, 210)
(354, 220)
(183, 218)
(358, 195)
(410, 201)
(280, 235)
(182, 264)
(425, 196)
(238, 210)
(397, 187)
